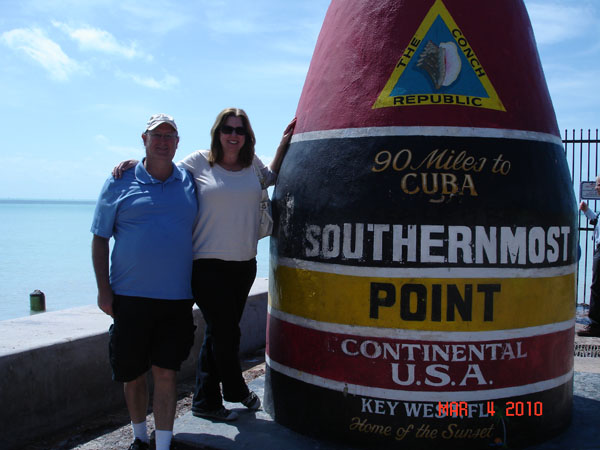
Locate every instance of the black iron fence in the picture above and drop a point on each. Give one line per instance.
(581, 150)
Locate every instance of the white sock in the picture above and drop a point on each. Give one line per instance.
(140, 431)
(163, 439)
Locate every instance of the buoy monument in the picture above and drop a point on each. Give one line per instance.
(422, 284)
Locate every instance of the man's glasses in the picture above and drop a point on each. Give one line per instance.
(166, 137)
(226, 129)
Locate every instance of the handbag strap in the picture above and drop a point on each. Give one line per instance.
(258, 173)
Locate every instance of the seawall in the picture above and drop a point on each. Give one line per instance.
(55, 371)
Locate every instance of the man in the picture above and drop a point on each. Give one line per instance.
(150, 213)
(593, 329)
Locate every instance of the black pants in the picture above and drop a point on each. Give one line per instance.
(594, 313)
(220, 291)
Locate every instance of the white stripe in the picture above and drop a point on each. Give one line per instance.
(419, 396)
(423, 272)
(497, 133)
(421, 335)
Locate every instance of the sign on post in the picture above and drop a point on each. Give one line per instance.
(587, 191)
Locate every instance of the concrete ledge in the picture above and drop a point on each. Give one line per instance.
(55, 368)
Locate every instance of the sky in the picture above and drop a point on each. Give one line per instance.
(80, 78)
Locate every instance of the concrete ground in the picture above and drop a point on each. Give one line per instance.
(113, 431)
(256, 430)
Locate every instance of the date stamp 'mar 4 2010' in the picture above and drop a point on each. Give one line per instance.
(511, 409)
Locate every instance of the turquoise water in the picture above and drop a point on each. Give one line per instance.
(45, 245)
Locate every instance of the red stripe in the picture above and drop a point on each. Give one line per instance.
(320, 353)
(361, 42)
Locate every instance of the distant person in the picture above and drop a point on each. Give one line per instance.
(150, 213)
(593, 328)
(225, 241)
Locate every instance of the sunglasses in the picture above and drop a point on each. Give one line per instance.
(166, 137)
(226, 129)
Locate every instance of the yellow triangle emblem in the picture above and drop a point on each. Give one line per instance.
(439, 67)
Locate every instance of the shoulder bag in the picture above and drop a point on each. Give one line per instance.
(265, 225)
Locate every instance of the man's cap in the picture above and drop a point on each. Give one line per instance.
(156, 119)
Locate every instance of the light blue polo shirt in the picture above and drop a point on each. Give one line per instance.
(152, 223)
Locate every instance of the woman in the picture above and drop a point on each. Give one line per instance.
(224, 246)
(225, 239)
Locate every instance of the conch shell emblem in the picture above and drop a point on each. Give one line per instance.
(441, 63)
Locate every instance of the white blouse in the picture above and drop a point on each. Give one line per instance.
(227, 224)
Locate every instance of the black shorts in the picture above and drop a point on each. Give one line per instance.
(149, 332)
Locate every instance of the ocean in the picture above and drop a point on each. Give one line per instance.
(46, 245)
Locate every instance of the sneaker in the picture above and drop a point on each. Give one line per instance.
(252, 401)
(590, 331)
(218, 414)
(138, 444)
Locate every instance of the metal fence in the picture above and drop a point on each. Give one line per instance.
(581, 150)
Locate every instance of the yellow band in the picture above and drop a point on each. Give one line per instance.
(455, 304)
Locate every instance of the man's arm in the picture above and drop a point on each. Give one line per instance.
(100, 253)
(583, 207)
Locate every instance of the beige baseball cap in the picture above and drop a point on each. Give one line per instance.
(156, 119)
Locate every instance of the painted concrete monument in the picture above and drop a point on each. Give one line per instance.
(422, 289)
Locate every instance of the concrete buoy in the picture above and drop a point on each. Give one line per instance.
(423, 259)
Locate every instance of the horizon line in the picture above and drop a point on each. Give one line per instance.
(45, 200)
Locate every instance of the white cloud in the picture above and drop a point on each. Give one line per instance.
(126, 152)
(101, 139)
(123, 151)
(266, 159)
(94, 39)
(168, 81)
(301, 47)
(572, 86)
(221, 24)
(161, 18)
(37, 46)
(239, 17)
(574, 101)
(279, 69)
(557, 22)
